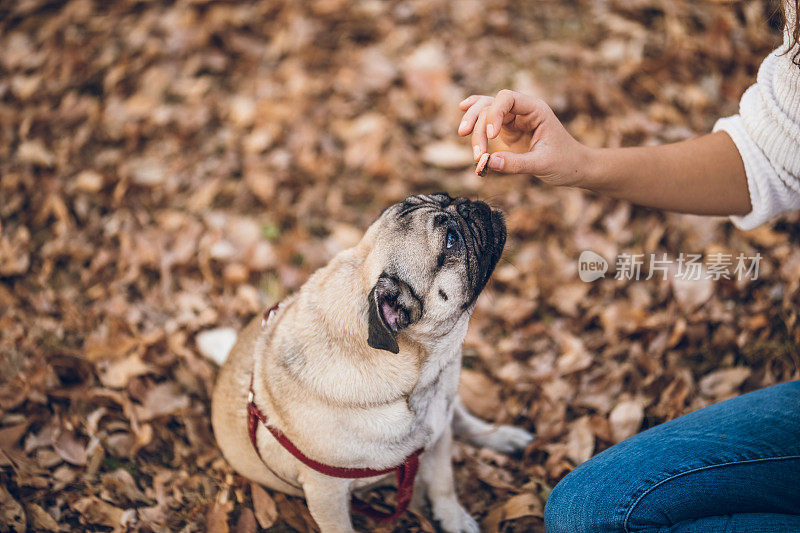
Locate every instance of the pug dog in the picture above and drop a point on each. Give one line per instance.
(358, 371)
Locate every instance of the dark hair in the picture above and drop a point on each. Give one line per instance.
(794, 33)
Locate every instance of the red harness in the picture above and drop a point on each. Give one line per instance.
(406, 472)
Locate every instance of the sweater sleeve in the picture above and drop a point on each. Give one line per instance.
(767, 134)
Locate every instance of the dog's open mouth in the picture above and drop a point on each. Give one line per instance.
(392, 316)
(397, 304)
(393, 306)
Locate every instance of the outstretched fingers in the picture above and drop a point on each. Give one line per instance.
(476, 104)
(513, 103)
(479, 141)
(467, 102)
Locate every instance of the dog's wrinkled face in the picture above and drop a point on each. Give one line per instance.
(433, 255)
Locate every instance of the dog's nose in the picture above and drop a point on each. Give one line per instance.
(469, 209)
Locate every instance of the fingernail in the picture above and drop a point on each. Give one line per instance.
(476, 152)
(462, 125)
(464, 101)
(496, 162)
(490, 131)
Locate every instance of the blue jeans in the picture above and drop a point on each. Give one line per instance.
(733, 467)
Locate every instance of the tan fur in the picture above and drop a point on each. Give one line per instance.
(344, 403)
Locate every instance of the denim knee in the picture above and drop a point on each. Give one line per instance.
(617, 486)
(558, 516)
(578, 503)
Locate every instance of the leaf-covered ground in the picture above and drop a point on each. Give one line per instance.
(172, 167)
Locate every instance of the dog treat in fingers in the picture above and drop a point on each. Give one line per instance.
(481, 168)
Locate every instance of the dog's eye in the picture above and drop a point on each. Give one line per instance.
(452, 238)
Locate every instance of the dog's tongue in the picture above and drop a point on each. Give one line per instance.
(391, 315)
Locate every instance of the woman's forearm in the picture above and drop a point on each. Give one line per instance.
(704, 176)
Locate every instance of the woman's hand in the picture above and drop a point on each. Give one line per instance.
(540, 144)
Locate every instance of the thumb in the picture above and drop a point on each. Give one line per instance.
(512, 162)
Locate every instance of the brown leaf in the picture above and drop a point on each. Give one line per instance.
(425, 73)
(567, 297)
(691, 293)
(525, 504)
(580, 441)
(14, 257)
(36, 153)
(246, 522)
(11, 513)
(99, 346)
(217, 517)
(480, 394)
(518, 506)
(40, 519)
(10, 435)
(765, 236)
(264, 506)
(120, 488)
(724, 382)
(95, 511)
(574, 356)
(88, 181)
(494, 476)
(117, 373)
(70, 448)
(626, 419)
(261, 184)
(294, 512)
(161, 400)
(148, 172)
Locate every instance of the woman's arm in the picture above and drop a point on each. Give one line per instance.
(704, 176)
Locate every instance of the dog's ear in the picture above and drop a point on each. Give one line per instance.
(380, 336)
(392, 307)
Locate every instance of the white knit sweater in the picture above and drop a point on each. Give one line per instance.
(767, 133)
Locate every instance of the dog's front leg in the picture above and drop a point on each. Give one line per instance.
(328, 499)
(436, 474)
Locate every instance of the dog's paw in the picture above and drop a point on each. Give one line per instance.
(507, 439)
(455, 519)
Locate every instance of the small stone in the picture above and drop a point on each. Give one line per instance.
(89, 181)
(724, 382)
(36, 153)
(235, 273)
(222, 250)
(626, 419)
(147, 173)
(242, 110)
(24, 87)
(216, 344)
(447, 155)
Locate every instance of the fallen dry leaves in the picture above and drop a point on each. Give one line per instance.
(173, 168)
(265, 510)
